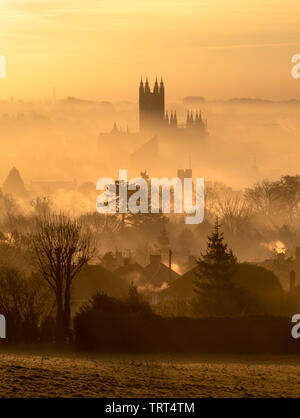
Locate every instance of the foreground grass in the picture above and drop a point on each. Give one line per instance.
(72, 375)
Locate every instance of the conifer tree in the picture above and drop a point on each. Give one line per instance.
(216, 293)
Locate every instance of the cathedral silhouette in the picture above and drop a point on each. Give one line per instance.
(153, 117)
(161, 136)
(151, 105)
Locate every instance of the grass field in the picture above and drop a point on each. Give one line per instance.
(70, 375)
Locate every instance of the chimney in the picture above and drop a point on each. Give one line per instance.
(292, 280)
(126, 261)
(170, 259)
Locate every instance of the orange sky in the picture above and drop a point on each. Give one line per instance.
(99, 48)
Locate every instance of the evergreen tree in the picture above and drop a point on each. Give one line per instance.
(135, 303)
(216, 293)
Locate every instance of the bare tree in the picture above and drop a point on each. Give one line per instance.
(235, 212)
(100, 223)
(41, 205)
(62, 247)
(25, 301)
(263, 196)
(288, 192)
(214, 193)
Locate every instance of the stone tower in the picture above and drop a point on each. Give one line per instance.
(151, 106)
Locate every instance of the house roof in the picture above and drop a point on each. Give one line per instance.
(132, 273)
(257, 281)
(95, 278)
(159, 273)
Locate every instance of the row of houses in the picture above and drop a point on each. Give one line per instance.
(161, 285)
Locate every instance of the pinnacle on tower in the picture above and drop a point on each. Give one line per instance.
(175, 118)
(155, 89)
(191, 118)
(115, 128)
(147, 88)
(152, 114)
(141, 89)
(162, 86)
(167, 117)
(151, 105)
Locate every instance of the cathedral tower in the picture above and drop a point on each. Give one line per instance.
(151, 106)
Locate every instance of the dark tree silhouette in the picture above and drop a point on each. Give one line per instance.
(135, 302)
(25, 302)
(217, 294)
(62, 248)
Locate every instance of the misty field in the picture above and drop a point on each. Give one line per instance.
(70, 375)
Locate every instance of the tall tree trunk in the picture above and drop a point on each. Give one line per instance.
(60, 326)
(67, 308)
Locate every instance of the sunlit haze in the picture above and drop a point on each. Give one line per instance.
(98, 49)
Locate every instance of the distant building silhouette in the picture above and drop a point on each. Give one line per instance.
(161, 135)
(151, 105)
(14, 185)
(153, 117)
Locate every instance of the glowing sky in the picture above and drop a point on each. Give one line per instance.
(99, 48)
